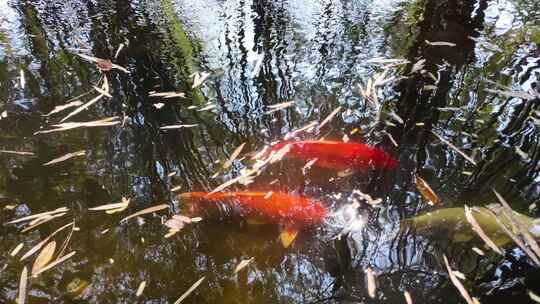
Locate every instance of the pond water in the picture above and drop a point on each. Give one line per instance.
(467, 71)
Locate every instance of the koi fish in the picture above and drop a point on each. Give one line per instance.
(291, 212)
(338, 155)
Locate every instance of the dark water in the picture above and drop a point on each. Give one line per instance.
(262, 53)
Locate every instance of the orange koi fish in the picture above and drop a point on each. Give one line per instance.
(338, 155)
(292, 212)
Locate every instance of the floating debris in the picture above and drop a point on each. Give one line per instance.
(198, 79)
(467, 157)
(371, 283)
(45, 241)
(279, 106)
(114, 207)
(440, 43)
(105, 122)
(408, 298)
(234, 155)
(189, 291)
(103, 64)
(146, 211)
(167, 94)
(63, 107)
(65, 157)
(329, 117)
(16, 250)
(44, 257)
(427, 192)
(464, 293)
(172, 127)
(22, 153)
(55, 262)
(140, 289)
(23, 283)
(243, 264)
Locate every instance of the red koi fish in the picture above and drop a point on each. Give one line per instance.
(292, 212)
(338, 155)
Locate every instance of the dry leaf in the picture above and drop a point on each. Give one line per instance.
(146, 211)
(105, 122)
(189, 291)
(114, 206)
(16, 250)
(38, 215)
(44, 257)
(140, 290)
(408, 297)
(426, 191)
(40, 244)
(198, 79)
(476, 227)
(279, 106)
(234, 155)
(170, 127)
(55, 262)
(457, 283)
(167, 94)
(329, 117)
(42, 220)
(65, 157)
(467, 157)
(104, 64)
(83, 107)
(243, 264)
(23, 283)
(371, 284)
(63, 107)
(440, 43)
(17, 152)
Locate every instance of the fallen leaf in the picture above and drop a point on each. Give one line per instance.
(329, 117)
(105, 122)
(470, 159)
(63, 107)
(371, 284)
(65, 157)
(23, 283)
(440, 43)
(243, 264)
(24, 153)
(140, 290)
(16, 250)
(198, 79)
(408, 297)
(44, 257)
(476, 227)
(55, 262)
(45, 241)
(457, 283)
(114, 206)
(426, 191)
(38, 215)
(234, 155)
(189, 291)
(146, 211)
(170, 127)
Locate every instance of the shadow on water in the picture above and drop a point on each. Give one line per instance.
(263, 53)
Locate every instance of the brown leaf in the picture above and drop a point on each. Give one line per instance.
(23, 283)
(40, 244)
(234, 155)
(44, 257)
(114, 206)
(476, 227)
(426, 191)
(104, 64)
(65, 157)
(189, 291)
(371, 284)
(146, 211)
(38, 215)
(464, 293)
(55, 262)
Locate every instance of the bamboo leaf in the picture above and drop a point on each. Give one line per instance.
(44, 257)
(146, 211)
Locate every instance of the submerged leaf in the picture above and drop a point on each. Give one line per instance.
(44, 257)
(65, 157)
(426, 191)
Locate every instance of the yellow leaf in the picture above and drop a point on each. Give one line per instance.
(44, 257)
(288, 236)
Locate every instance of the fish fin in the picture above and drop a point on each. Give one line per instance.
(287, 236)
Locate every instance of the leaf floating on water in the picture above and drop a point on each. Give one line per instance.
(44, 257)
(63, 107)
(65, 157)
(23, 81)
(55, 262)
(113, 208)
(243, 264)
(234, 155)
(408, 298)
(419, 65)
(279, 106)
(534, 297)
(38, 215)
(440, 43)
(470, 159)
(171, 127)
(146, 211)
(478, 251)
(103, 64)
(476, 227)
(23, 283)
(287, 236)
(371, 283)
(464, 293)
(426, 191)
(82, 107)
(330, 117)
(42, 220)
(23, 153)
(513, 94)
(198, 79)
(189, 291)
(40, 244)
(167, 94)
(140, 290)
(16, 250)
(105, 122)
